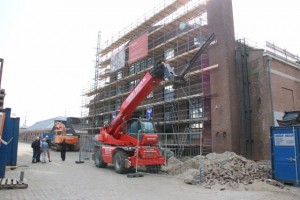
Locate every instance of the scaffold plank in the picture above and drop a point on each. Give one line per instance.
(12, 183)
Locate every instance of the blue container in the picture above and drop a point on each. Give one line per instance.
(13, 145)
(50, 135)
(285, 142)
(10, 134)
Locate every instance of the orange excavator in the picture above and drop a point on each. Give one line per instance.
(60, 134)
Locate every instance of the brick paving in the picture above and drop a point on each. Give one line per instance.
(68, 180)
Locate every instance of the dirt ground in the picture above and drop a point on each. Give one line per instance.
(68, 180)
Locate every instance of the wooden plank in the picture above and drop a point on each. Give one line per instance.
(12, 183)
(3, 181)
(20, 186)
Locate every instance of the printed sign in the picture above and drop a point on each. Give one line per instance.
(117, 59)
(284, 139)
(149, 113)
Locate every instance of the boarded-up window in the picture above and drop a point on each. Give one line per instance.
(287, 99)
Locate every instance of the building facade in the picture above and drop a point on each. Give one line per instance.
(230, 99)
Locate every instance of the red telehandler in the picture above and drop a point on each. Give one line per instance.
(127, 143)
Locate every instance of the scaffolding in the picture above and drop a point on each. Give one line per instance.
(174, 32)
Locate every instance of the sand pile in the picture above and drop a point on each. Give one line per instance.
(226, 169)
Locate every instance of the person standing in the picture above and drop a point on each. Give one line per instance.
(45, 149)
(63, 150)
(49, 146)
(39, 150)
(34, 145)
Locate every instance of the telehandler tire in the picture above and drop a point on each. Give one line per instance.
(99, 160)
(119, 162)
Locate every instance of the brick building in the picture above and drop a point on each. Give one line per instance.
(234, 92)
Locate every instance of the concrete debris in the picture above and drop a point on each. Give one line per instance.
(275, 183)
(173, 161)
(227, 170)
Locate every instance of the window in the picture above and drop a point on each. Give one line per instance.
(119, 75)
(169, 53)
(150, 95)
(133, 83)
(168, 113)
(150, 62)
(143, 65)
(118, 90)
(137, 67)
(169, 92)
(147, 127)
(195, 129)
(131, 70)
(136, 127)
(198, 41)
(196, 110)
(105, 119)
(107, 80)
(117, 104)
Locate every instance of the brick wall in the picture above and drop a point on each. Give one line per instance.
(223, 81)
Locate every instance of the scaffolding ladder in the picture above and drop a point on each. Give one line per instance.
(207, 146)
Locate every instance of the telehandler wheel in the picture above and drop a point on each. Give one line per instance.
(119, 162)
(99, 160)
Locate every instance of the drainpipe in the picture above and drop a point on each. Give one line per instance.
(269, 59)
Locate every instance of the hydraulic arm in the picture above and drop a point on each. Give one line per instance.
(138, 94)
(127, 142)
(143, 88)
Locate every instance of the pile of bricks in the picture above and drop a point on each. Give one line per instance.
(226, 169)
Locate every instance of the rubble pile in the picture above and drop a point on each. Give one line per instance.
(226, 169)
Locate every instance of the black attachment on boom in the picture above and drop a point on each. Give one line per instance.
(158, 70)
(179, 79)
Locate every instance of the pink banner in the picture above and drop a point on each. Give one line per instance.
(138, 48)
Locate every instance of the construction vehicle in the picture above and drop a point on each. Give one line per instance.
(127, 143)
(61, 133)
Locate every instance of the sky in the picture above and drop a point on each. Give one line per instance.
(49, 47)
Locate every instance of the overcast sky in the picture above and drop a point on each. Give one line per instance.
(49, 46)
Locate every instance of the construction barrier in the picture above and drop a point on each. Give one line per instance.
(87, 148)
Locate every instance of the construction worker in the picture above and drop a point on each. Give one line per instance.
(49, 146)
(39, 150)
(63, 150)
(35, 148)
(45, 149)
